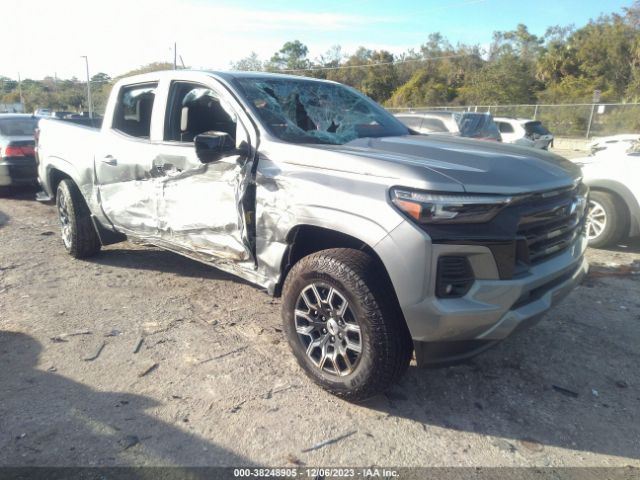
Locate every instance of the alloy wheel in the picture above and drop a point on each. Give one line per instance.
(65, 223)
(596, 220)
(328, 329)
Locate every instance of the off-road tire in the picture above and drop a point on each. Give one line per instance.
(83, 240)
(386, 344)
(617, 219)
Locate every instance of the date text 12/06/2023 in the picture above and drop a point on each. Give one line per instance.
(370, 472)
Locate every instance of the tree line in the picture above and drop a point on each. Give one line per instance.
(564, 65)
(66, 95)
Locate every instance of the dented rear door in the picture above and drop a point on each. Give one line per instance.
(123, 162)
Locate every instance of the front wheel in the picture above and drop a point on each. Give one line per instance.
(78, 232)
(607, 221)
(344, 328)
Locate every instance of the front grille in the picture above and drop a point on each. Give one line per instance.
(549, 223)
(530, 230)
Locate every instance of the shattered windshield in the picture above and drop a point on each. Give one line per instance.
(307, 111)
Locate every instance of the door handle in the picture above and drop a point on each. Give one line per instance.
(109, 160)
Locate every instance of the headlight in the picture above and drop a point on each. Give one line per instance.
(430, 208)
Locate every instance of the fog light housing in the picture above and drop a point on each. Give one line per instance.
(454, 277)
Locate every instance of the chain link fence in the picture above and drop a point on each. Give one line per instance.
(584, 120)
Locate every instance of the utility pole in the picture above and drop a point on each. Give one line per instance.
(175, 56)
(86, 60)
(593, 108)
(20, 92)
(596, 99)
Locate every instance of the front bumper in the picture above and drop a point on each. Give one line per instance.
(531, 305)
(451, 329)
(18, 172)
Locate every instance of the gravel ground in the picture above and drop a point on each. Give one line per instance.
(213, 382)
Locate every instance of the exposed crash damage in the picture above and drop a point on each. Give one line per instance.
(190, 223)
(380, 242)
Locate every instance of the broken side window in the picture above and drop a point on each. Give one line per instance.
(308, 111)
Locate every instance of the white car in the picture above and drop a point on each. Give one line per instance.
(613, 177)
(525, 132)
(620, 142)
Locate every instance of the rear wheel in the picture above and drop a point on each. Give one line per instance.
(607, 220)
(344, 328)
(78, 232)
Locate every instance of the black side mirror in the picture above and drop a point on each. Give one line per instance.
(212, 146)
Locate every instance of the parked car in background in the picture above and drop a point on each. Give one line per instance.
(61, 114)
(613, 176)
(622, 142)
(525, 132)
(464, 124)
(17, 158)
(42, 112)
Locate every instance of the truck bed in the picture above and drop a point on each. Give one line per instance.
(70, 141)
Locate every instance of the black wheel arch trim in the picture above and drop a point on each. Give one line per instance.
(330, 239)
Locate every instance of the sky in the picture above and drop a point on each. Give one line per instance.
(48, 37)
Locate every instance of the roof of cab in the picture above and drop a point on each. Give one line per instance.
(225, 75)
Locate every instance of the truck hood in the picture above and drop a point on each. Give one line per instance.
(475, 166)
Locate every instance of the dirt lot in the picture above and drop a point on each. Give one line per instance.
(213, 382)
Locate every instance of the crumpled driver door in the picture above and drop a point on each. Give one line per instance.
(202, 207)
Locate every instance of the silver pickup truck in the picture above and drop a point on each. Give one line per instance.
(380, 241)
